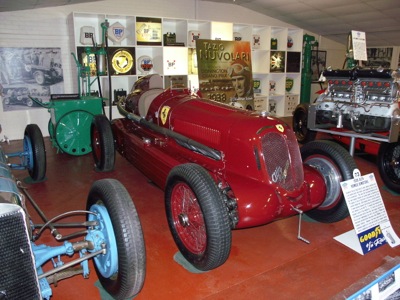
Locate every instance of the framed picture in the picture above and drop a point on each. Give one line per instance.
(318, 63)
(293, 60)
(122, 60)
(29, 72)
(378, 57)
(149, 31)
(277, 62)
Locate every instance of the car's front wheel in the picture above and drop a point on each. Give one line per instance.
(197, 217)
(335, 164)
(389, 165)
(35, 152)
(121, 269)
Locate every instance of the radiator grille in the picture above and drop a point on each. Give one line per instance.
(283, 160)
(17, 272)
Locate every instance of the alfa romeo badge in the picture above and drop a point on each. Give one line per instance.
(122, 62)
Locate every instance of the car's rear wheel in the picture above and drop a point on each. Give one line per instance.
(300, 119)
(389, 165)
(335, 164)
(34, 159)
(121, 270)
(197, 217)
(103, 148)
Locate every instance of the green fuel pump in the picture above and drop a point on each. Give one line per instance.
(72, 114)
(100, 52)
(351, 63)
(306, 72)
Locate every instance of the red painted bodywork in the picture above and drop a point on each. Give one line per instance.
(238, 135)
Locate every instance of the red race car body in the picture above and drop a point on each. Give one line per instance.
(252, 159)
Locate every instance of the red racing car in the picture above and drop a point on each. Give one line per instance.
(221, 167)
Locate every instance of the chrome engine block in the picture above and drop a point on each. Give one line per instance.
(363, 100)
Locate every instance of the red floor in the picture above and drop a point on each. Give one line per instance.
(266, 262)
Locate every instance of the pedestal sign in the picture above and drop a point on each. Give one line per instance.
(372, 227)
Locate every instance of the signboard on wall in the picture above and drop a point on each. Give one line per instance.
(225, 74)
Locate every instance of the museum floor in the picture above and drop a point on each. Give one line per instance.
(266, 262)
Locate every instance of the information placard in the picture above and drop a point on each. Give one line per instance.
(359, 45)
(372, 227)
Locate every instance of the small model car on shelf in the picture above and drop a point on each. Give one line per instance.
(359, 108)
(220, 167)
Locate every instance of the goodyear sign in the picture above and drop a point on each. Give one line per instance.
(371, 239)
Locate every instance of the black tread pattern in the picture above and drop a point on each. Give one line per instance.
(219, 237)
(106, 161)
(303, 134)
(389, 172)
(345, 163)
(129, 235)
(34, 134)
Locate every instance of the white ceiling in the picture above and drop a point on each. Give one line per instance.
(333, 19)
(13, 5)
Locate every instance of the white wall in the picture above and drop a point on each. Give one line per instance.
(48, 27)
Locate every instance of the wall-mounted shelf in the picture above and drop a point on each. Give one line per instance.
(176, 62)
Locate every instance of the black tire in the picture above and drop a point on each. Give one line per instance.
(35, 160)
(131, 254)
(388, 165)
(212, 238)
(103, 147)
(300, 119)
(335, 164)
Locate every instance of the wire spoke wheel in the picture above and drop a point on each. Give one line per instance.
(188, 219)
(197, 216)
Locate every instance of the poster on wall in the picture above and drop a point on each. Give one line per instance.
(24, 72)
(378, 57)
(224, 71)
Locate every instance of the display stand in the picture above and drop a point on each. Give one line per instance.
(372, 227)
